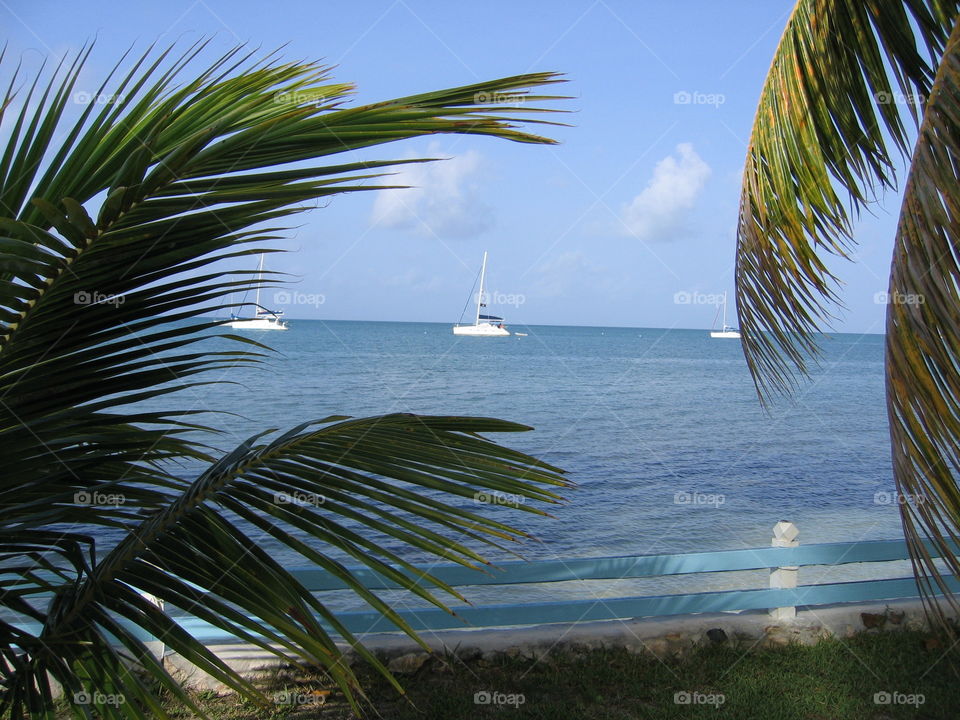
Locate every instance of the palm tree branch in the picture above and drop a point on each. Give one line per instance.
(845, 73)
(922, 345)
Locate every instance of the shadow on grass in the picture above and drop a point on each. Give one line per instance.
(871, 676)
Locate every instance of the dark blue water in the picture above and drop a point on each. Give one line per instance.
(635, 415)
(642, 419)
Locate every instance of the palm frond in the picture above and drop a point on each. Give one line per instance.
(923, 340)
(111, 244)
(846, 75)
(325, 481)
(188, 179)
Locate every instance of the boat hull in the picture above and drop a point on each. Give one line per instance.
(732, 334)
(257, 324)
(482, 330)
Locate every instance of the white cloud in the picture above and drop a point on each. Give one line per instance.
(443, 198)
(659, 211)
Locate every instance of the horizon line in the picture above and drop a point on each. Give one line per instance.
(600, 327)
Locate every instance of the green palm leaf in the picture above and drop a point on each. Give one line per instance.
(320, 481)
(923, 339)
(841, 76)
(850, 77)
(109, 251)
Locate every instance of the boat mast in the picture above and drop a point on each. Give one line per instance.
(724, 310)
(259, 280)
(483, 270)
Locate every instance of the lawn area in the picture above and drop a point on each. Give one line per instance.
(871, 676)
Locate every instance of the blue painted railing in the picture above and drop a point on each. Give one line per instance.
(618, 568)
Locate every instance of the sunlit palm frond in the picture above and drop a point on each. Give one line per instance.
(845, 76)
(923, 339)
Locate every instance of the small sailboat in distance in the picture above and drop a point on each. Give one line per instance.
(484, 325)
(263, 319)
(727, 331)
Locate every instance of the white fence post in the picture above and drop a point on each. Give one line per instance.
(157, 647)
(784, 535)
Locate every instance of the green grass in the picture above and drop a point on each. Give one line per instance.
(835, 679)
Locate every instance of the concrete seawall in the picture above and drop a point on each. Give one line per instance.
(663, 637)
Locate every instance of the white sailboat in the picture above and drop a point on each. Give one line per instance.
(263, 319)
(728, 331)
(484, 325)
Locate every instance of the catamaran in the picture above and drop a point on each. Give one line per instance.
(263, 319)
(484, 325)
(728, 331)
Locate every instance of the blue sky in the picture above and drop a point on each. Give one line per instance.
(629, 221)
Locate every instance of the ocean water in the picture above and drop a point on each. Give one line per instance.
(641, 418)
